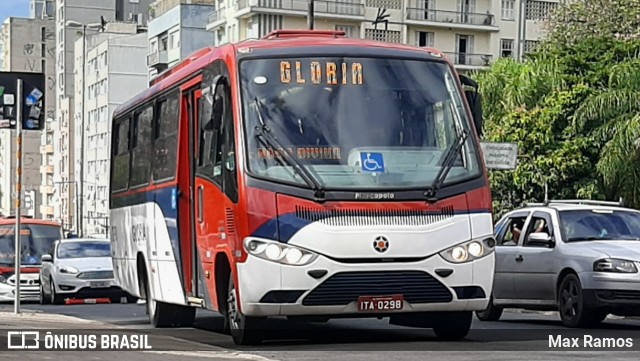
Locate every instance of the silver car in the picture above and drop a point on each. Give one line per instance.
(578, 258)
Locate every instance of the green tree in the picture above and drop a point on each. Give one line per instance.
(612, 115)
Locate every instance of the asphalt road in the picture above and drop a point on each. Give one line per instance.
(516, 336)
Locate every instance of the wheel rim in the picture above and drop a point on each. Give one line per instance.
(232, 306)
(570, 300)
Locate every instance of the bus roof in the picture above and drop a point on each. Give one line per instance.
(26, 220)
(279, 39)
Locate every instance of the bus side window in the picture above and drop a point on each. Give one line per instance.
(229, 174)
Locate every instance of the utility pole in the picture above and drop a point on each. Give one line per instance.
(310, 16)
(522, 29)
(18, 243)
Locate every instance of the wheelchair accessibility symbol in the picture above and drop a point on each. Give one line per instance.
(372, 162)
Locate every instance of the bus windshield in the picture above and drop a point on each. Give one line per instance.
(354, 123)
(36, 240)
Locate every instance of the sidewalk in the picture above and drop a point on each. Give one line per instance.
(165, 346)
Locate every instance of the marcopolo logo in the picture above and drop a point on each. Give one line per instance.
(36, 340)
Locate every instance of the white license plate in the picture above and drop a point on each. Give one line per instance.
(99, 284)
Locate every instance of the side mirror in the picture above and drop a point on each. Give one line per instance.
(46, 258)
(474, 99)
(540, 239)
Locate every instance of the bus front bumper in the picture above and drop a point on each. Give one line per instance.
(327, 287)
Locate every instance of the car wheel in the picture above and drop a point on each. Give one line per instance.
(55, 298)
(44, 300)
(491, 313)
(455, 326)
(573, 311)
(244, 330)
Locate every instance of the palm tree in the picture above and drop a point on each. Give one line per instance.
(612, 115)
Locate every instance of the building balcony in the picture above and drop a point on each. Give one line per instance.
(452, 19)
(469, 60)
(158, 60)
(322, 8)
(46, 189)
(48, 169)
(216, 18)
(47, 149)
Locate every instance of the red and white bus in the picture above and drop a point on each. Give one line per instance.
(304, 174)
(37, 238)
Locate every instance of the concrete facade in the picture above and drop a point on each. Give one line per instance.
(42, 9)
(471, 33)
(177, 29)
(114, 72)
(29, 46)
(84, 12)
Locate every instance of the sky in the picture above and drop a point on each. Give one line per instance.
(9, 8)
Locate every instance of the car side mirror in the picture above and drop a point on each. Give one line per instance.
(46, 258)
(474, 99)
(540, 239)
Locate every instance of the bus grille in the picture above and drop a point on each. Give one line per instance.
(375, 217)
(343, 288)
(96, 275)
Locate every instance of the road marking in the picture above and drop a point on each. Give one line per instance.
(214, 354)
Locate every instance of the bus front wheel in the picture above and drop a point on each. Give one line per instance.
(453, 326)
(244, 330)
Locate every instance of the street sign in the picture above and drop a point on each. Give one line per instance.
(500, 155)
(32, 102)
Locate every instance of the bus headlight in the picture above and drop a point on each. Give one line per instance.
(279, 252)
(469, 251)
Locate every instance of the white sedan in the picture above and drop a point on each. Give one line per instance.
(79, 268)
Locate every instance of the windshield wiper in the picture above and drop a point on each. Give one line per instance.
(589, 238)
(264, 133)
(447, 164)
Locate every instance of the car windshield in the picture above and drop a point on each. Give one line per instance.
(84, 249)
(355, 123)
(36, 240)
(586, 225)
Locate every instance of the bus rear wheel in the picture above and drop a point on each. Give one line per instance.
(244, 330)
(162, 314)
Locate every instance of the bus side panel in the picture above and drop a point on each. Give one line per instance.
(166, 237)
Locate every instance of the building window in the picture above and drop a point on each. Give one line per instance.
(424, 38)
(506, 48)
(175, 40)
(539, 10)
(530, 45)
(508, 9)
(349, 30)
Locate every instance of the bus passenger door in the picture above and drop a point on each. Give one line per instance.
(210, 200)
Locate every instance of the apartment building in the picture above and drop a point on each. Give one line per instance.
(472, 33)
(177, 29)
(29, 46)
(79, 12)
(42, 9)
(114, 71)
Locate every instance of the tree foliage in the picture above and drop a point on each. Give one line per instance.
(573, 108)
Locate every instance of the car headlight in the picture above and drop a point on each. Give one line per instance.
(614, 265)
(279, 252)
(469, 251)
(68, 269)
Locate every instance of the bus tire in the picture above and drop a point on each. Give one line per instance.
(454, 326)
(162, 314)
(244, 330)
(491, 313)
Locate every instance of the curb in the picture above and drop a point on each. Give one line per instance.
(11, 319)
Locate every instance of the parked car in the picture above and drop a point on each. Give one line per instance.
(579, 258)
(79, 268)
